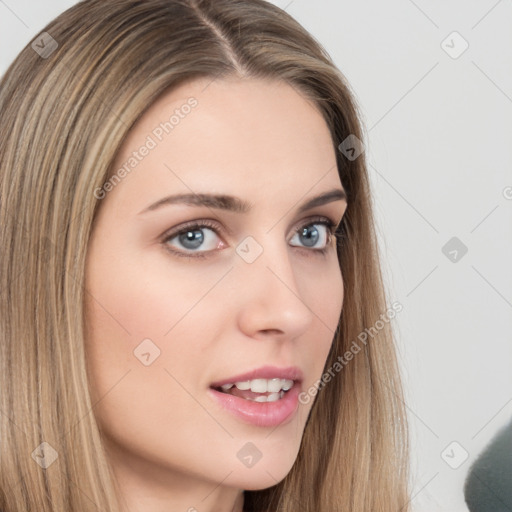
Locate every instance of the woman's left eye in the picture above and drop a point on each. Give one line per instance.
(198, 238)
(311, 235)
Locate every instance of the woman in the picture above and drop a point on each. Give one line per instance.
(193, 315)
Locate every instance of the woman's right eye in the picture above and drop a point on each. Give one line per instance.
(188, 240)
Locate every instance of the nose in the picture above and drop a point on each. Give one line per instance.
(270, 299)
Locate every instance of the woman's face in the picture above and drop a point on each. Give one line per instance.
(174, 308)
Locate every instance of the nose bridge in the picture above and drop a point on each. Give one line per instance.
(271, 291)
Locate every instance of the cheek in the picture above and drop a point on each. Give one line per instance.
(132, 315)
(325, 299)
(143, 338)
(325, 294)
(135, 298)
(332, 299)
(147, 321)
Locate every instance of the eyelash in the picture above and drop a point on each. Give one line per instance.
(193, 225)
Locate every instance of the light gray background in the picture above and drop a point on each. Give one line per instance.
(439, 145)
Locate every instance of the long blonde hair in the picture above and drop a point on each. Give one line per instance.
(67, 105)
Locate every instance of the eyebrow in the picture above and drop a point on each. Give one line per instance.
(235, 204)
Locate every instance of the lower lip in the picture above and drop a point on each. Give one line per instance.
(261, 414)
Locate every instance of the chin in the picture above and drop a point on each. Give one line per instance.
(262, 476)
(260, 483)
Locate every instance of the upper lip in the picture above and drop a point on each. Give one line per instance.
(264, 372)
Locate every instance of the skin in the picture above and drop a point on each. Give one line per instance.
(171, 446)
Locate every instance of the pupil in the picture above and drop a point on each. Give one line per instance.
(310, 239)
(192, 239)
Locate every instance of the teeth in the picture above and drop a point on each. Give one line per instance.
(261, 385)
(274, 385)
(246, 384)
(273, 397)
(287, 384)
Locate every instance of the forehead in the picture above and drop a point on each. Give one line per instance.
(245, 137)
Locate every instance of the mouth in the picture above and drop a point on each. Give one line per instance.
(257, 390)
(264, 397)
